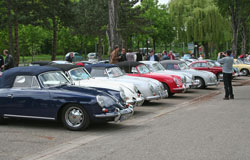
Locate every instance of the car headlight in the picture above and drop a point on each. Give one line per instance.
(122, 94)
(104, 101)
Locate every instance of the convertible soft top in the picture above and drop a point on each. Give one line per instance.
(99, 65)
(8, 77)
(65, 67)
(127, 65)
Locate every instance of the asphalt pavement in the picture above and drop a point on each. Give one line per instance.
(195, 125)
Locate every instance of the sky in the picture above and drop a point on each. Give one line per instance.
(164, 1)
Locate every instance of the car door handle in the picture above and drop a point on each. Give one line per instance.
(10, 95)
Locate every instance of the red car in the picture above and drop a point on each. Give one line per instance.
(171, 83)
(206, 65)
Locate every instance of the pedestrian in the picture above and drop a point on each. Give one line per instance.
(139, 56)
(152, 56)
(131, 56)
(171, 56)
(123, 55)
(1, 62)
(165, 56)
(70, 57)
(201, 57)
(227, 61)
(114, 58)
(9, 61)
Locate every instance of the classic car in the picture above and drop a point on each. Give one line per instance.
(187, 78)
(80, 77)
(171, 83)
(44, 63)
(236, 71)
(206, 65)
(76, 56)
(204, 78)
(150, 89)
(42, 92)
(243, 68)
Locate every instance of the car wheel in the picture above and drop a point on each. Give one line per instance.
(220, 76)
(166, 87)
(201, 83)
(74, 117)
(245, 72)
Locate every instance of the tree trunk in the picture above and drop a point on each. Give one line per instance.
(244, 39)
(114, 38)
(17, 56)
(11, 49)
(235, 27)
(54, 39)
(205, 45)
(99, 47)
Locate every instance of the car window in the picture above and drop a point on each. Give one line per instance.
(143, 69)
(173, 67)
(203, 65)
(26, 82)
(196, 65)
(52, 79)
(114, 72)
(79, 74)
(98, 72)
(157, 67)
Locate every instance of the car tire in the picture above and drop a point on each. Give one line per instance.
(75, 118)
(220, 76)
(245, 72)
(166, 87)
(201, 84)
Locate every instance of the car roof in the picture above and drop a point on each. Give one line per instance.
(99, 65)
(8, 76)
(65, 67)
(171, 62)
(41, 63)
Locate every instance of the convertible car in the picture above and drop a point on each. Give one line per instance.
(41, 92)
(204, 78)
(80, 77)
(151, 89)
(171, 83)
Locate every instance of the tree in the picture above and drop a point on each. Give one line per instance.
(198, 21)
(236, 9)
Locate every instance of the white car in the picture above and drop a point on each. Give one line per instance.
(80, 77)
(188, 79)
(150, 88)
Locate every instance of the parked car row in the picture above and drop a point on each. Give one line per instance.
(98, 92)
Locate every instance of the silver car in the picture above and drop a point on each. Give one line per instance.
(151, 89)
(204, 78)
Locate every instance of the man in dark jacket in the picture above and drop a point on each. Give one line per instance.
(152, 56)
(1, 62)
(9, 61)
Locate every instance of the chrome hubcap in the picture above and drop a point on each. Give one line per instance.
(199, 83)
(74, 116)
(244, 72)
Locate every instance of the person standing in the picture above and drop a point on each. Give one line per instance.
(9, 61)
(227, 70)
(152, 56)
(165, 56)
(114, 58)
(70, 57)
(123, 55)
(1, 62)
(131, 56)
(171, 56)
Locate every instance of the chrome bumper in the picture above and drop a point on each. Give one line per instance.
(136, 102)
(118, 115)
(213, 83)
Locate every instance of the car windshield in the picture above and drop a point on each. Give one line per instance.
(211, 64)
(114, 72)
(217, 64)
(78, 74)
(52, 79)
(143, 69)
(183, 66)
(157, 67)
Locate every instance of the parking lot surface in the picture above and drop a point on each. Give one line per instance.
(33, 139)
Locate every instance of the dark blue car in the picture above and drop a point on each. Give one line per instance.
(42, 92)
